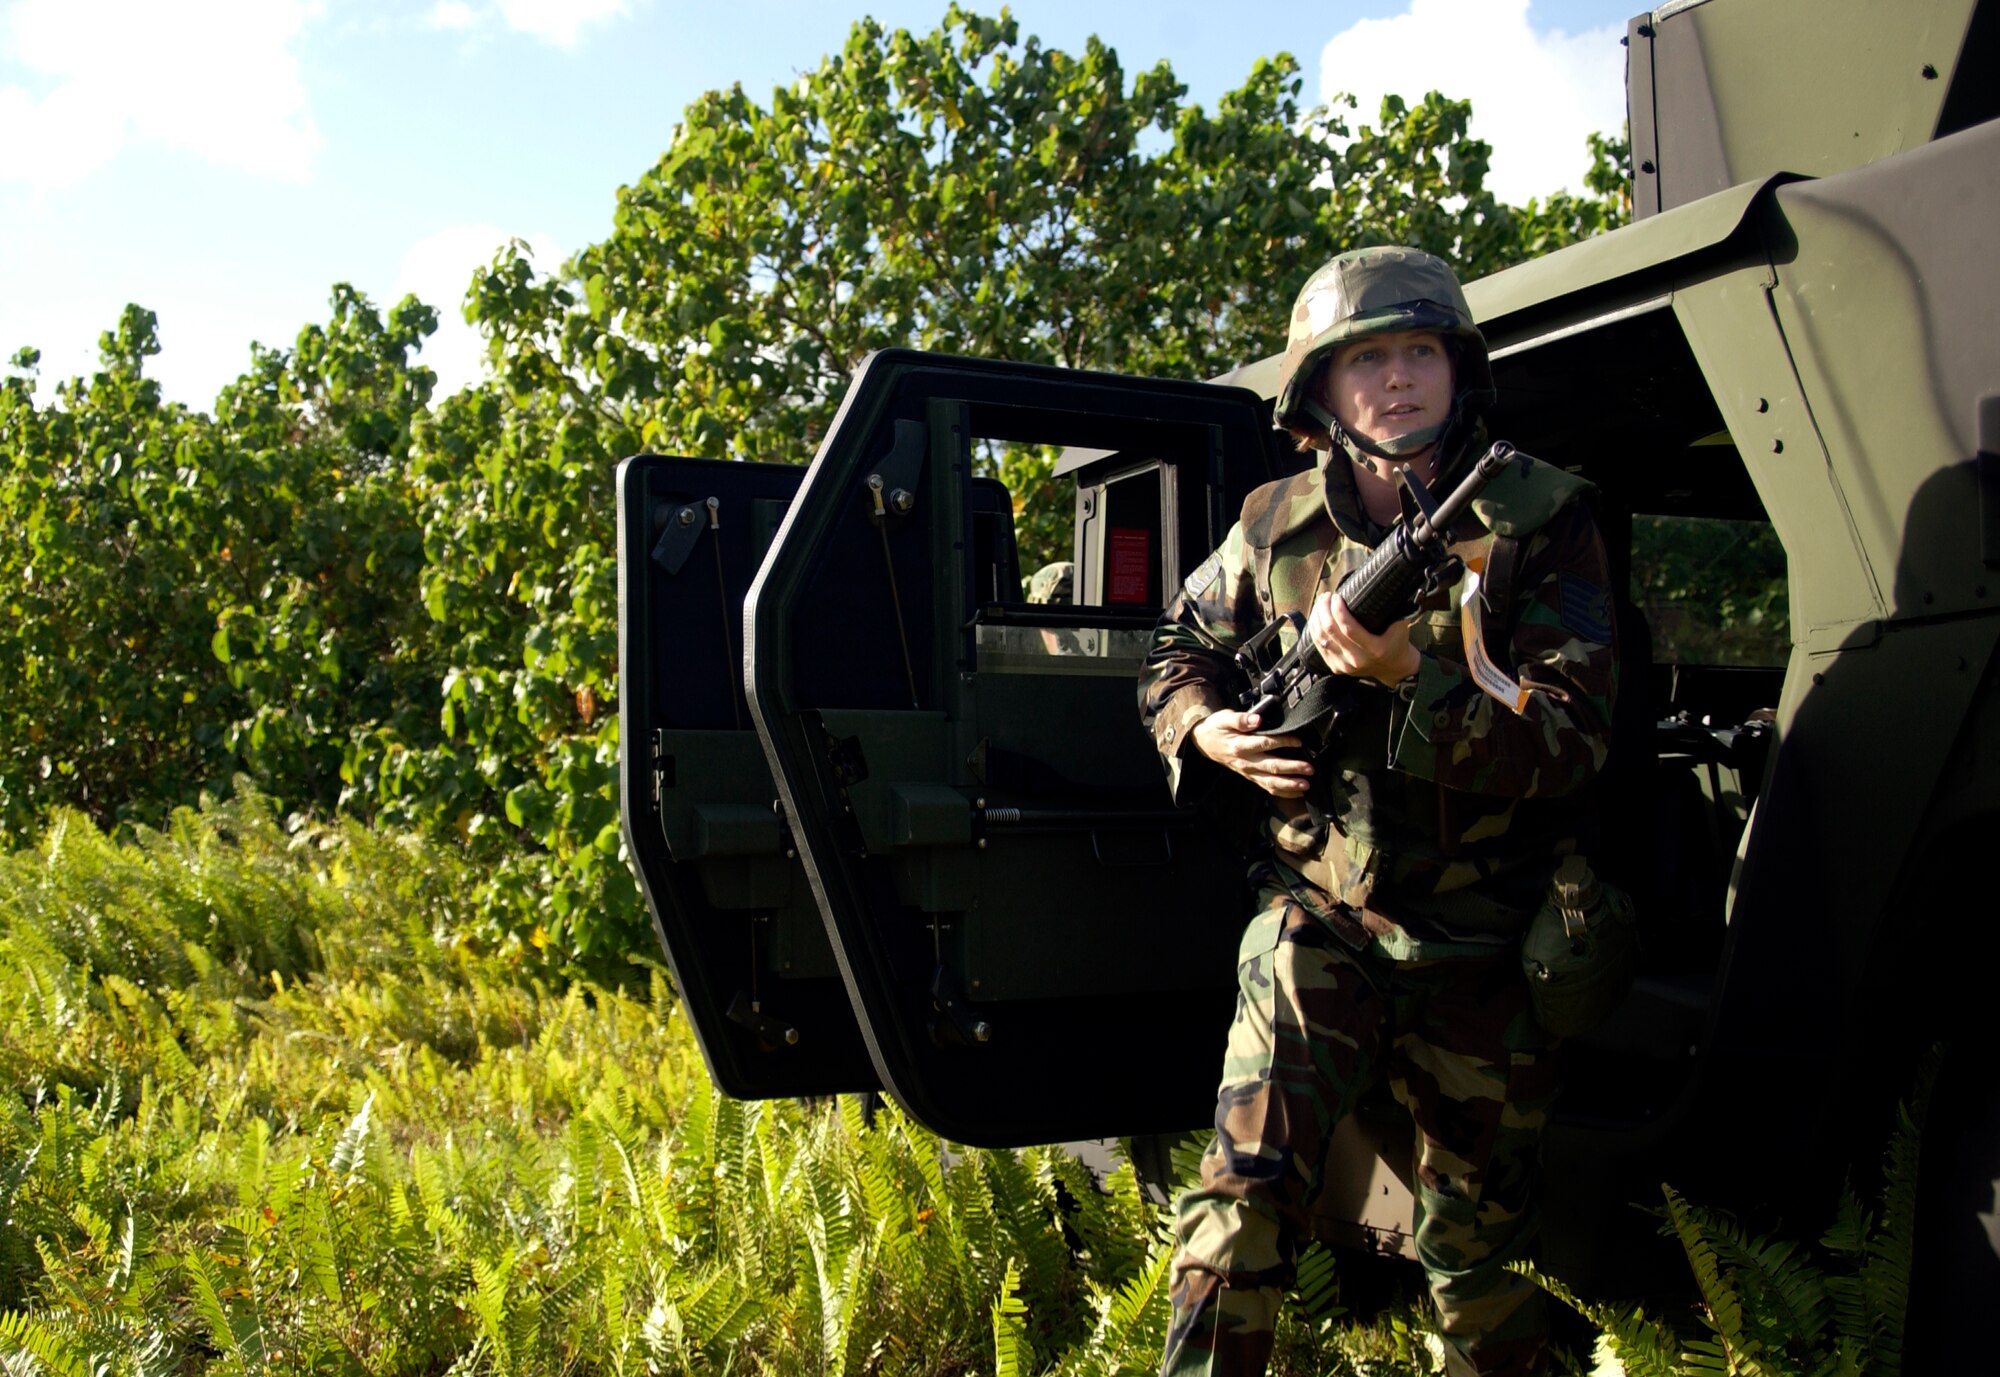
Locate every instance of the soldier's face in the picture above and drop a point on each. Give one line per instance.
(1388, 385)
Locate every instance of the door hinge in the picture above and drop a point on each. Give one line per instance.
(662, 766)
(786, 842)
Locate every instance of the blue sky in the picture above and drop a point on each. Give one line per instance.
(224, 162)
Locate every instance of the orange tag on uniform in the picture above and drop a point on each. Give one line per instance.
(1494, 681)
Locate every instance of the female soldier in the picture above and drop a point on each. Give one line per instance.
(1404, 851)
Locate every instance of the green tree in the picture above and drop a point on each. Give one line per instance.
(967, 190)
(197, 596)
(95, 603)
(368, 601)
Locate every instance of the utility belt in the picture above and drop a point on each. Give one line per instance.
(1579, 946)
(1458, 902)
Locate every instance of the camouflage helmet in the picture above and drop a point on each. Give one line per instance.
(1054, 584)
(1375, 292)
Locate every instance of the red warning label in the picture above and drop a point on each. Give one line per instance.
(1131, 555)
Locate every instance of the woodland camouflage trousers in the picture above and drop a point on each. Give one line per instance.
(1315, 1026)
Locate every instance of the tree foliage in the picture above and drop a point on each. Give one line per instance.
(367, 600)
(195, 595)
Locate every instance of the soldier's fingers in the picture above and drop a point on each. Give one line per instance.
(1329, 634)
(1218, 736)
(1341, 617)
(1259, 769)
(1255, 743)
(1290, 766)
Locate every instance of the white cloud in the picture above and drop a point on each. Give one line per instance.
(558, 21)
(216, 78)
(1536, 95)
(438, 268)
(452, 14)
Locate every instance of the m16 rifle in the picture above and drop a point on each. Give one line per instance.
(1414, 561)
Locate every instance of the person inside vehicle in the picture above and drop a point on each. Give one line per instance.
(1402, 852)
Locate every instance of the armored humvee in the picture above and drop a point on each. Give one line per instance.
(900, 829)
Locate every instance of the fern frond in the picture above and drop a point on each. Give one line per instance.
(133, 1246)
(1025, 1214)
(1847, 1236)
(1317, 1285)
(240, 1337)
(849, 1337)
(1012, 1355)
(1638, 1345)
(831, 1212)
(574, 1283)
(148, 1353)
(1132, 1324)
(1642, 1347)
(1885, 1269)
(1184, 1157)
(1739, 1351)
(348, 1157)
(487, 1300)
(1599, 1315)
(1783, 1289)
(321, 1265)
(49, 1344)
(719, 1310)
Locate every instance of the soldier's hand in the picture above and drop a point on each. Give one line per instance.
(1350, 648)
(1231, 740)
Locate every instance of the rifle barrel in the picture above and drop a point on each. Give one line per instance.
(1490, 463)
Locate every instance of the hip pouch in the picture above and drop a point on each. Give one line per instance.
(1581, 950)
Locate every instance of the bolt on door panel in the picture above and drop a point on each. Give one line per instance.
(715, 858)
(1039, 944)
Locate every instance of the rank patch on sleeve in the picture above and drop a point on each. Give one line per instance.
(1203, 578)
(1586, 609)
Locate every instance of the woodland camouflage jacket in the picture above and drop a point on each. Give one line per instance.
(1437, 810)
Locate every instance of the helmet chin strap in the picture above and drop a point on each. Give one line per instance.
(1365, 452)
(1397, 446)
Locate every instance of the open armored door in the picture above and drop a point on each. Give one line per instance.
(754, 971)
(730, 901)
(1038, 945)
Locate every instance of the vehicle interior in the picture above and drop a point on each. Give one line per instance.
(1703, 642)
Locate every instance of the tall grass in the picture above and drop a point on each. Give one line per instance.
(273, 1113)
(272, 1117)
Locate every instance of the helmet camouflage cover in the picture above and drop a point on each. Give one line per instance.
(1054, 584)
(1375, 292)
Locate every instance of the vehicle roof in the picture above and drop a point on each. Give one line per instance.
(1605, 266)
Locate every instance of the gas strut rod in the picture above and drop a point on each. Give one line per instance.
(895, 596)
(732, 668)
